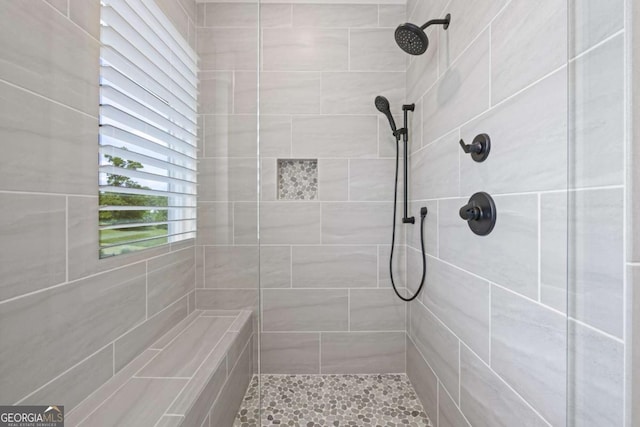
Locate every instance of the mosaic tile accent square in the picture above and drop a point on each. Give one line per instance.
(297, 179)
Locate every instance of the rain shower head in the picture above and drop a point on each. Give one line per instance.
(382, 104)
(413, 40)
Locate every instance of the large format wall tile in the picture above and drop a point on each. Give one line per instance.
(553, 250)
(376, 310)
(460, 94)
(230, 15)
(591, 22)
(43, 136)
(333, 179)
(231, 267)
(305, 310)
(43, 53)
(519, 55)
(289, 223)
(32, 231)
(372, 180)
(462, 302)
(305, 49)
(169, 278)
(438, 345)
(216, 92)
(422, 72)
(423, 379)
(528, 142)
(335, 15)
(275, 267)
(487, 401)
(224, 49)
(289, 93)
(325, 136)
(529, 350)
(226, 299)
(449, 414)
(506, 256)
(362, 352)
(290, 353)
(596, 90)
(357, 223)
(275, 136)
(355, 92)
(334, 266)
(435, 169)
(230, 135)
(227, 179)
(71, 321)
(215, 223)
(375, 49)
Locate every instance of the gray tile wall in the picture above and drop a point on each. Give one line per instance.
(488, 338)
(68, 320)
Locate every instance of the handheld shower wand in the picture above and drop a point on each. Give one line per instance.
(382, 104)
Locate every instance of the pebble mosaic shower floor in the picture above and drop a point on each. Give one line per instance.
(332, 400)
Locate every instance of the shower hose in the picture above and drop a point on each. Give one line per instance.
(423, 215)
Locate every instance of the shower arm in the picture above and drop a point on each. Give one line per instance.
(435, 22)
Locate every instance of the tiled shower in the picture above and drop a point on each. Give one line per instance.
(279, 309)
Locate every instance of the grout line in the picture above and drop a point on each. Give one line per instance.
(66, 237)
(539, 224)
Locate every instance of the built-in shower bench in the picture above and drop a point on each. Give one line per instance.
(195, 375)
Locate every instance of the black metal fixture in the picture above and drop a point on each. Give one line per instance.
(413, 40)
(382, 104)
(479, 148)
(480, 213)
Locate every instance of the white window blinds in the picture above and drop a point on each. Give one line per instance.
(148, 128)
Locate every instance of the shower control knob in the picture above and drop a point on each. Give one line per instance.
(480, 213)
(479, 148)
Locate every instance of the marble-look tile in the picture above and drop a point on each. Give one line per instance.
(591, 22)
(462, 302)
(334, 266)
(275, 267)
(245, 223)
(275, 15)
(275, 136)
(596, 378)
(226, 406)
(435, 169)
(372, 179)
(449, 414)
(461, 93)
(32, 231)
(528, 142)
(357, 223)
(245, 92)
(333, 179)
(468, 20)
(335, 15)
(305, 49)
(142, 401)
(596, 259)
(230, 135)
(362, 352)
(222, 49)
(335, 135)
(391, 15)
(423, 379)
(289, 93)
(216, 92)
(290, 353)
(226, 299)
(300, 310)
(596, 114)
(44, 53)
(183, 356)
(508, 256)
(77, 383)
(554, 232)
(227, 179)
(376, 310)
(231, 15)
(529, 350)
(354, 92)
(171, 421)
(519, 56)
(487, 401)
(290, 223)
(35, 125)
(215, 223)
(231, 267)
(375, 49)
(134, 342)
(438, 346)
(169, 278)
(88, 405)
(91, 312)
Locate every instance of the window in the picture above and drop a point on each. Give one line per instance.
(148, 128)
